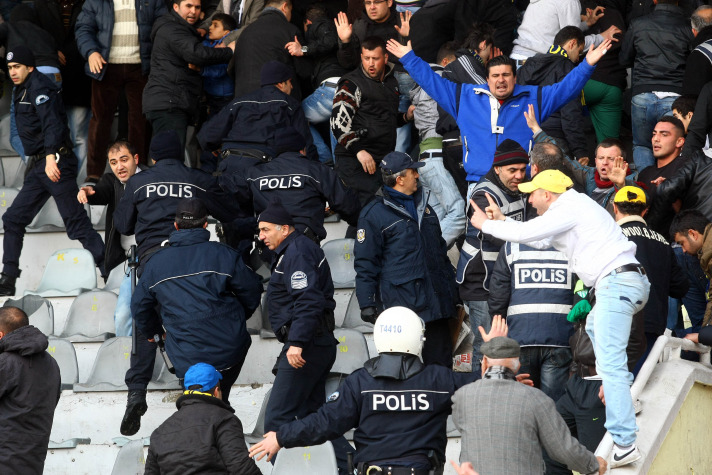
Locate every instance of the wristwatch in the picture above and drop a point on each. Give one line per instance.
(305, 49)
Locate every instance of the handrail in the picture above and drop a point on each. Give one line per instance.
(656, 355)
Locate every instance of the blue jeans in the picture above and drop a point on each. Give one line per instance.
(618, 297)
(445, 199)
(317, 108)
(122, 314)
(695, 300)
(548, 367)
(479, 316)
(646, 110)
(78, 121)
(405, 84)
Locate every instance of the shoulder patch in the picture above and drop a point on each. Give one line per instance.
(361, 235)
(334, 396)
(41, 99)
(299, 280)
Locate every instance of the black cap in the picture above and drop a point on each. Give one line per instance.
(21, 54)
(500, 347)
(191, 208)
(276, 214)
(274, 72)
(166, 144)
(288, 139)
(396, 162)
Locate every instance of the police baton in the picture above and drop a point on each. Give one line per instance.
(133, 266)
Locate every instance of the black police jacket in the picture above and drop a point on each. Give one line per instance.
(402, 261)
(148, 206)
(252, 120)
(40, 116)
(300, 294)
(398, 415)
(303, 186)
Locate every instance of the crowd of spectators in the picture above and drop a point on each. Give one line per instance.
(422, 123)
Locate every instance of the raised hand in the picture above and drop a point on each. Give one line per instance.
(595, 54)
(499, 328)
(530, 117)
(618, 172)
(493, 211)
(398, 50)
(592, 16)
(343, 28)
(404, 28)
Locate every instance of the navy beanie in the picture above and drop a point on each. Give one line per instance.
(276, 214)
(166, 144)
(274, 72)
(21, 54)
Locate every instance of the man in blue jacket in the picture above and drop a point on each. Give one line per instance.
(489, 114)
(401, 257)
(123, 65)
(205, 293)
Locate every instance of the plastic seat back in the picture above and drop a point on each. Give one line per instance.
(352, 320)
(116, 277)
(69, 272)
(39, 310)
(130, 460)
(7, 196)
(340, 256)
(63, 352)
(259, 430)
(351, 351)
(266, 330)
(306, 460)
(91, 317)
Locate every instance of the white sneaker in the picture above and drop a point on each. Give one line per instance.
(623, 456)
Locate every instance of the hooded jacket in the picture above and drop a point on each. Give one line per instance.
(29, 392)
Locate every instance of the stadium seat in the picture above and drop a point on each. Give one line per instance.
(130, 459)
(69, 443)
(112, 362)
(91, 317)
(40, 311)
(352, 320)
(116, 276)
(351, 351)
(2, 174)
(48, 219)
(266, 330)
(333, 218)
(257, 433)
(254, 323)
(7, 196)
(263, 465)
(98, 216)
(69, 272)
(306, 460)
(63, 352)
(340, 256)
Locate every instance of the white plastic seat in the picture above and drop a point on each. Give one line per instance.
(69, 272)
(130, 460)
(39, 310)
(352, 320)
(116, 277)
(63, 352)
(351, 351)
(340, 256)
(259, 431)
(306, 460)
(91, 317)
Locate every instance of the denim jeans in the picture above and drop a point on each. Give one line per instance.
(548, 367)
(445, 199)
(618, 297)
(479, 316)
(317, 108)
(405, 84)
(646, 110)
(122, 314)
(78, 119)
(695, 300)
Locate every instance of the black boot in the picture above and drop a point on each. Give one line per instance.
(7, 285)
(135, 407)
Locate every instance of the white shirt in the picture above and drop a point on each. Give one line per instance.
(577, 226)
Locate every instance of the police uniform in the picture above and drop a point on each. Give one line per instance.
(399, 408)
(42, 126)
(300, 300)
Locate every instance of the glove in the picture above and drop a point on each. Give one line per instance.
(579, 311)
(369, 314)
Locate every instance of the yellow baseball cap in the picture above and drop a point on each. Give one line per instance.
(630, 194)
(549, 180)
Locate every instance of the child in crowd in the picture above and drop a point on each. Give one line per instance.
(218, 86)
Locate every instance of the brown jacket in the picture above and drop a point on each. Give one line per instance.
(705, 255)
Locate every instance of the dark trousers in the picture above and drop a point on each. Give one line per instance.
(139, 374)
(438, 344)
(548, 367)
(36, 190)
(229, 375)
(104, 101)
(452, 159)
(173, 119)
(351, 173)
(585, 415)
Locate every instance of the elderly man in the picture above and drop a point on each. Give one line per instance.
(401, 257)
(604, 259)
(513, 415)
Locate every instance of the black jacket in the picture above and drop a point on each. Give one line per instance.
(666, 277)
(322, 43)
(700, 127)
(108, 191)
(29, 392)
(609, 69)
(691, 184)
(23, 29)
(501, 15)
(350, 53)
(698, 70)
(568, 122)
(657, 46)
(171, 83)
(204, 436)
(430, 27)
(263, 40)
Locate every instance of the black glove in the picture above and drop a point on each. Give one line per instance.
(369, 314)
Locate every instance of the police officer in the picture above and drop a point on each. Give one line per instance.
(303, 186)
(147, 209)
(401, 257)
(398, 405)
(51, 168)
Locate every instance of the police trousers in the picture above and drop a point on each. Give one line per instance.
(36, 190)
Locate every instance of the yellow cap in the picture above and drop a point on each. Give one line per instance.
(630, 194)
(549, 180)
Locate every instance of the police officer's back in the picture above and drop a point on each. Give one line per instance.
(303, 186)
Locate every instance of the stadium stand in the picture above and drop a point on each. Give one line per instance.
(39, 310)
(91, 317)
(69, 272)
(65, 355)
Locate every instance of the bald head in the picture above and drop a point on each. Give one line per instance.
(546, 156)
(12, 318)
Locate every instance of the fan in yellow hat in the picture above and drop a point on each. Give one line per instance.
(549, 180)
